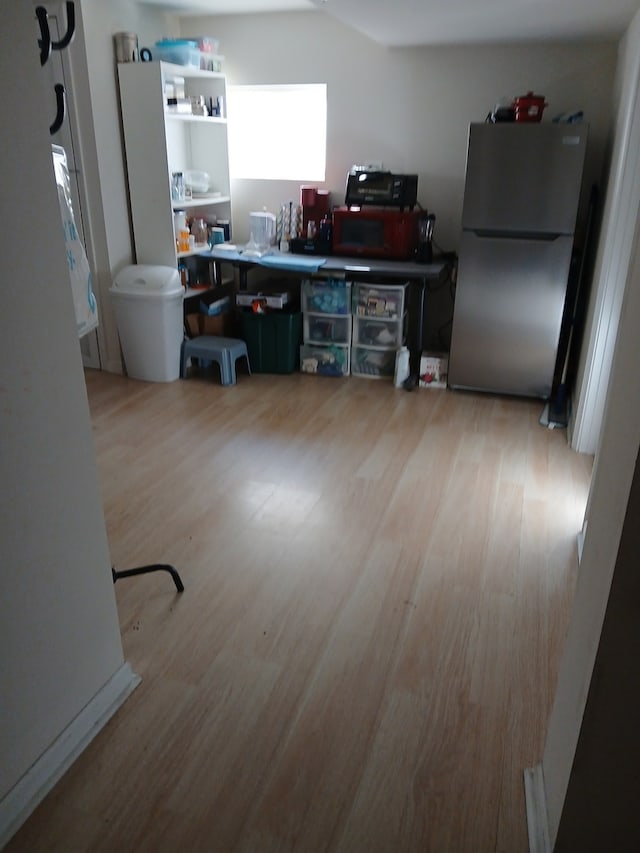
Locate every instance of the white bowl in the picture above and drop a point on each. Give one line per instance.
(197, 181)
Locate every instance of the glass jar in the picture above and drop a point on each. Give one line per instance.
(177, 187)
(199, 231)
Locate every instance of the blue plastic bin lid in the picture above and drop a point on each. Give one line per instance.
(176, 43)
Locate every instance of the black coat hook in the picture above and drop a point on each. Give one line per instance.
(57, 123)
(44, 42)
(71, 28)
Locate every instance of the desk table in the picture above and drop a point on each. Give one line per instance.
(419, 276)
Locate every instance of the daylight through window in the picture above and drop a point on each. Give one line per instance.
(278, 132)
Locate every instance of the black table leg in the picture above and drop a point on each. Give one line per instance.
(415, 352)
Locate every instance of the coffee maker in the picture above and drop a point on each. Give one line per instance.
(316, 205)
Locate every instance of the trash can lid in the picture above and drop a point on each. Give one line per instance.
(147, 280)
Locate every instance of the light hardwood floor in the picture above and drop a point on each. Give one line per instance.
(378, 584)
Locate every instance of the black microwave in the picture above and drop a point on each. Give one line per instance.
(383, 189)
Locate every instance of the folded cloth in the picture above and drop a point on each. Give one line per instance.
(298, 263)
(274, 260)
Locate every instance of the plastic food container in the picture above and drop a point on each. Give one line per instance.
(178, 52)
(207, 44)
(529, 107)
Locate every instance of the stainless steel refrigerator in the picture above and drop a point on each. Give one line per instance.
(521, 197)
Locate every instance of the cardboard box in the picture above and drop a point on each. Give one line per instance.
(218, 325)
(271, 300)
(434, 367)
(218, 306)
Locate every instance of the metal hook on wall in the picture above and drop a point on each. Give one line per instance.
(71, 28)
(60, 108)
(45, 43)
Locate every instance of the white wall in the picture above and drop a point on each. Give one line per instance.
(611, 483)
(609, 495)
(409, 107)
(59, 634)
(612, 261)
(95, 93)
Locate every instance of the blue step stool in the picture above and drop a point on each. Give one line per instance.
(224, 351)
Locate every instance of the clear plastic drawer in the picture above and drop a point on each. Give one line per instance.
(332, 296)
(327, 329)
(325, 359)
(372, 363)
(374, 332)
(386, 301)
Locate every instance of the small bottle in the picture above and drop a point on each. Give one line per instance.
(183, 269)
(402, 367)
(177, 187)
(326, 228)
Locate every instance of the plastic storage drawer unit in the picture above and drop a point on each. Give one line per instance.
(332, 296)
(272, 341)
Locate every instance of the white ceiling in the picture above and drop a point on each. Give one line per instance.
(421, 22)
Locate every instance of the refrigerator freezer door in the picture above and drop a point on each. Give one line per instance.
(524, 177)
(508, 311)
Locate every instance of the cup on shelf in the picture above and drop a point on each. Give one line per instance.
(216, 236)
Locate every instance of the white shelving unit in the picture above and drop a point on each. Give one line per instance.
(159, 142)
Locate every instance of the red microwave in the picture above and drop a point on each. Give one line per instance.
(375, 232)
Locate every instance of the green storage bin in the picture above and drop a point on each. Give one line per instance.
(273, 341)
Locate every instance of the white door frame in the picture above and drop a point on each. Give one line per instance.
(612, 263)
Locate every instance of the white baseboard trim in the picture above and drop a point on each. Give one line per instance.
(22, 799)
(536, 803)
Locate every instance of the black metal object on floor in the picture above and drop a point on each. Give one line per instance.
(144, 570)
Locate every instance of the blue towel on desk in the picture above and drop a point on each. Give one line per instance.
(297, 263)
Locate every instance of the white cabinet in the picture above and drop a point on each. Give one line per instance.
(159, 142)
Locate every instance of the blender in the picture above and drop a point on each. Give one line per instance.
(425, 238)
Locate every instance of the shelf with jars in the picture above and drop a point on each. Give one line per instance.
(161, 144)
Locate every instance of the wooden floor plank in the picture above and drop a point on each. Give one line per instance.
(377, 590)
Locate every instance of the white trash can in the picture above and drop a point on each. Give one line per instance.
(147, 301)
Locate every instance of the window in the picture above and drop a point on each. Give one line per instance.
(278, 132)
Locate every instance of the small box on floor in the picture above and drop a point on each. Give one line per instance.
(219, 325)
(434, 367)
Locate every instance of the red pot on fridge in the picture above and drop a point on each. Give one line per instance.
(529, 107)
